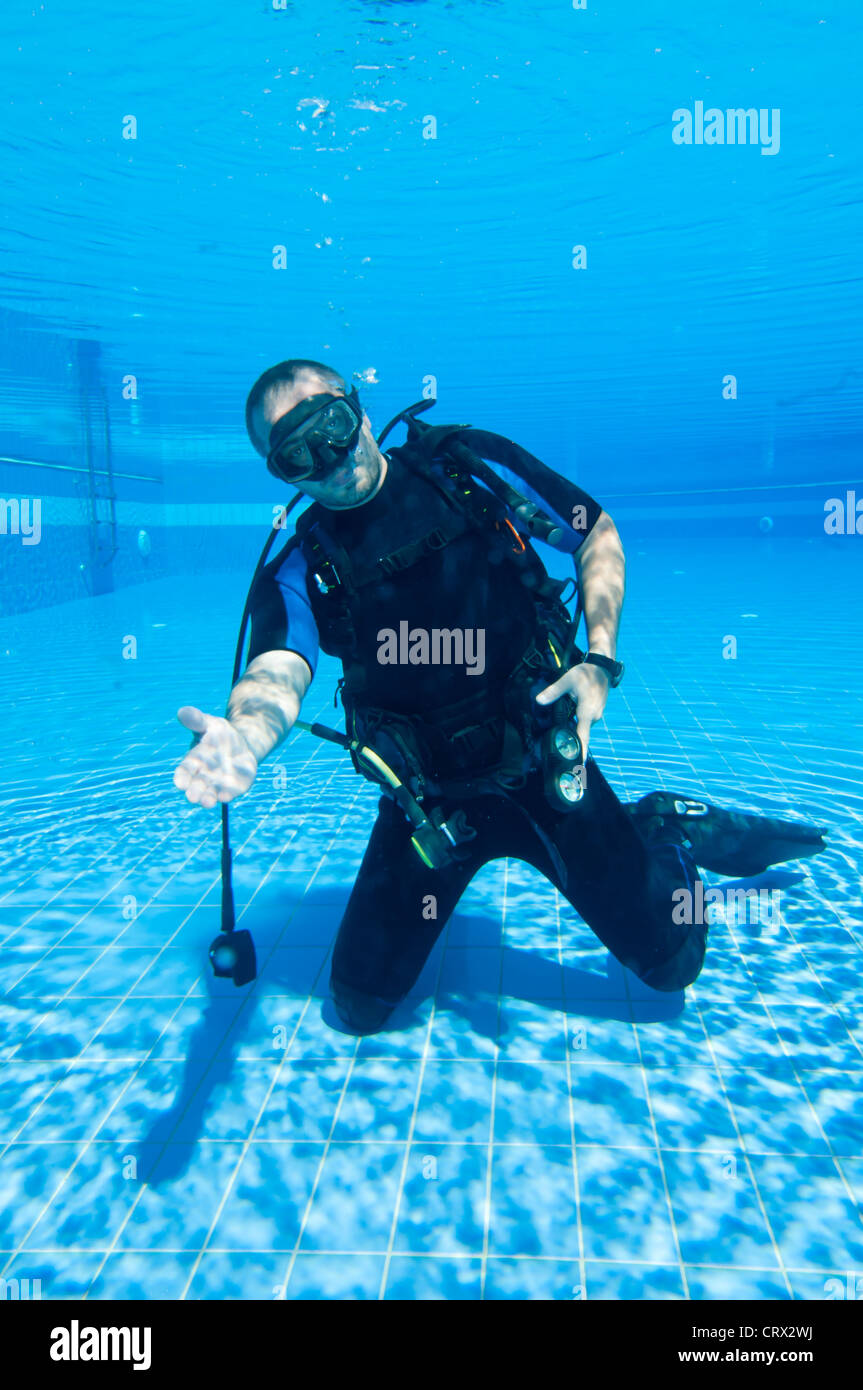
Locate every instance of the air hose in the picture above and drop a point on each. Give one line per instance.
(433, 840)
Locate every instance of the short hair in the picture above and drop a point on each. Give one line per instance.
(285, 374)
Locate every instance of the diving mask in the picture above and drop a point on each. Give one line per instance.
(315, 437)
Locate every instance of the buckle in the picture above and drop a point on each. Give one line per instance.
(477, 738)
(323, 584)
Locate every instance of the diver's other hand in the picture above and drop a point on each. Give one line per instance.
(220, 764)
(588, 685)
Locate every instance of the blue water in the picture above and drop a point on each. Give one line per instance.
(535, 1123)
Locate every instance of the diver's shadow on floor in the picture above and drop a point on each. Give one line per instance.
(208, 1065)
(228, 1017)
(476, 991)
(231, 1014)
(535, 980)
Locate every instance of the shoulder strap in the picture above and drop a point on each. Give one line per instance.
(328, 560)
(467, 510)
(434, 453)
(461, 465)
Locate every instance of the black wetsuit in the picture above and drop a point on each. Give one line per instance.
(620, 885)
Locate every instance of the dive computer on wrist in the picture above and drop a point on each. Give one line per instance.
(613, 669)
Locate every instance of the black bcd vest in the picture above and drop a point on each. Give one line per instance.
(337, 585)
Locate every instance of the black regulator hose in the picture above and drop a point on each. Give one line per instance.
(228, 917)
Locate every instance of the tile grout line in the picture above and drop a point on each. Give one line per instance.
(412, 1124)
(489, 1174)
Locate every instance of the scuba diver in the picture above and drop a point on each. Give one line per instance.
(466, 699)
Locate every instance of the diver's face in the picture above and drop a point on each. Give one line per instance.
(353, 482)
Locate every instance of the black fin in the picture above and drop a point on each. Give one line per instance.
(727, 842)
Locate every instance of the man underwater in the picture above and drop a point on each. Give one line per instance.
(407, 566)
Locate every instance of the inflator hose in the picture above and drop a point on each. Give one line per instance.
(228, 918)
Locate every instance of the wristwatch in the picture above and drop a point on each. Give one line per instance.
(613, 669)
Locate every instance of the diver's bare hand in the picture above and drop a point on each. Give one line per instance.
(220, 764)
(588, 685)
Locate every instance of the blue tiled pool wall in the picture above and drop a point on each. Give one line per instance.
(205, 538)
(183, 507)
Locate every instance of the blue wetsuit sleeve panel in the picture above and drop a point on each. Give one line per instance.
(569, 504)
(281, 614)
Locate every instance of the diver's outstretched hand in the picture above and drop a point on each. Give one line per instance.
(220, 764)
(588, 685)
